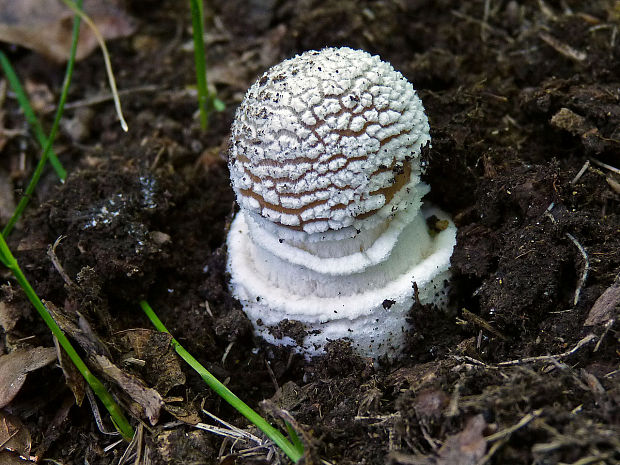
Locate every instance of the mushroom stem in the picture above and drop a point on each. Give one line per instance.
(325, 161)
(344, 296)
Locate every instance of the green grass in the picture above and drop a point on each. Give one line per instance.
(206, 102)
(32, 119)
(106, 58)
(47, 150)
(121, 423)
(293, 450)
(6, 256)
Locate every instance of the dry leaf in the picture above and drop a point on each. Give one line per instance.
(9, 315)
(14, 436)
(603, 309)
(290, 395)
(73, 377)
(56, 427)
(15, 366)
(147, 397)
(416, 377)
(466, 447)
(48, 29)
(187, 413)
(162, 367)
(430, 403)
(81, 331)
(593, 383)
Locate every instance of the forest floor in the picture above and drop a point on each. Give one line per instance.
(523, 100)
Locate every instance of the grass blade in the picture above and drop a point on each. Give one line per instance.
(199, 60)
(106, 58)
(118, 418)
(47, 151)
(294, 436)
(24, 103)
(293, 452)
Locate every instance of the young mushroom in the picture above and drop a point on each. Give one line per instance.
(325, 163)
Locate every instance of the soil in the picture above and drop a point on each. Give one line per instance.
(523, 100)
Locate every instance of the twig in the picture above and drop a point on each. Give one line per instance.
(542, 358)
(51, 253)
(473, 361)
(11, 436)
(453, 407)
(586, 267)
(378, 419)
(272, 375)
(581, 171)
(485, 21)
(208, 308)
(605, 165)
(611, 374)
(229, 431)
(599, 458)
(140, 435)
(545, 10)
(147, 455)
(549, 214)
(562, 48)
(429, 439)
(520, 424)
(494, 448)
(129, 449)
(239, 431)
(233, 434)
(109, 447)
(487, 26)
(226, 352)
(608, 325)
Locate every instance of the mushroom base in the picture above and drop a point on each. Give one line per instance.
(368, 307)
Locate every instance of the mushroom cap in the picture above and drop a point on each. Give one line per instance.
(327, 140)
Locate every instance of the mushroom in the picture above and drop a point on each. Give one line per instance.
(324, 159)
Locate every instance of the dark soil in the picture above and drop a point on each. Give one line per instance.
(520, 99)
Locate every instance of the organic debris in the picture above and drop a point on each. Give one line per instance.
(16, 365)
(49, 30)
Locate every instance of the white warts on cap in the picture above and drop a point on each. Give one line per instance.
(326, 139)
(325, 162)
